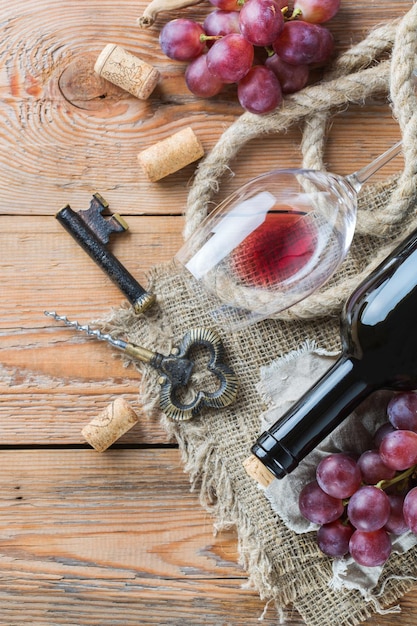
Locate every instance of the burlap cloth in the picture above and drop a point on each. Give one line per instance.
(286, 567)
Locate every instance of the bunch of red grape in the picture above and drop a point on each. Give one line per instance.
(361, 502)
(253, 44)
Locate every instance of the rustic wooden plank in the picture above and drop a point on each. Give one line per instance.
(54, 491)
(118, 538)
(61, 275)
(54, 380)
(52, 385)
(68, 140)
(112, 538)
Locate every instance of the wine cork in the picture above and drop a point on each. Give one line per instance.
(171, 154)
(127, 71)
(257, 470)
(109, 425)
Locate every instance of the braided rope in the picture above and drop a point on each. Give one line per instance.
(360, 56)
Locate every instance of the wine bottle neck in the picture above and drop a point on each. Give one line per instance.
(312, 418)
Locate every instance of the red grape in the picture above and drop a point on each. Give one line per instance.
(261, 21)
(317, 11)
(220, 23)
(381, 432)
(338, 475)
(180, 39)
(373, 469)
(398, 449)
(303, 43)
(292, 78)
(370, 548)
(358, 518)
(396, 523)
(402, 411)
(230, 58)
(199, 80)
(317, 506)
(333, 539)
(368, 508)
(239, 36)
(259, 91)
(410, 510)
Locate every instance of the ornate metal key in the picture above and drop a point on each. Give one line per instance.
(176, 369)
(92, 231)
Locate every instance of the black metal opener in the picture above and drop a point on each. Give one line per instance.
(176, 369)
(91, 230)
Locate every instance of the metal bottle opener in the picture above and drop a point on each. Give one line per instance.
(176, 369)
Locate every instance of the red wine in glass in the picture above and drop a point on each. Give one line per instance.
(280, 247)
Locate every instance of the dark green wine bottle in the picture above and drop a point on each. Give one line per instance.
(379, 351)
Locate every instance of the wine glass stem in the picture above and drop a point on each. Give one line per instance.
(357, 179)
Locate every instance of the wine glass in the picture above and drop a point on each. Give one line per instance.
(276, 240)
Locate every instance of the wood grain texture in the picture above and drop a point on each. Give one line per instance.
(114, 538)
(118, 538)
(72, 133)
(97, 533)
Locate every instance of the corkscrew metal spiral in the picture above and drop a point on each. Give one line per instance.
(85, 328)
(176, 369)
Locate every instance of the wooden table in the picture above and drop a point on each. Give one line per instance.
(112, 538)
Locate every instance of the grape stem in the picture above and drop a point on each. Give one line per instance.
(384, 484)
(210, 37)
(296, 13)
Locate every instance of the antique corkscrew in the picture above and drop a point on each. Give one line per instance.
(176, 369)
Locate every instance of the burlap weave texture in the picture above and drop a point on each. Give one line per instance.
(283, 566)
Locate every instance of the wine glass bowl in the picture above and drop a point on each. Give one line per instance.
(276, 240)
(273, 242)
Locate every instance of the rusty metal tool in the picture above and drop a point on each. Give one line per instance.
(176, 369)
(91, 230)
